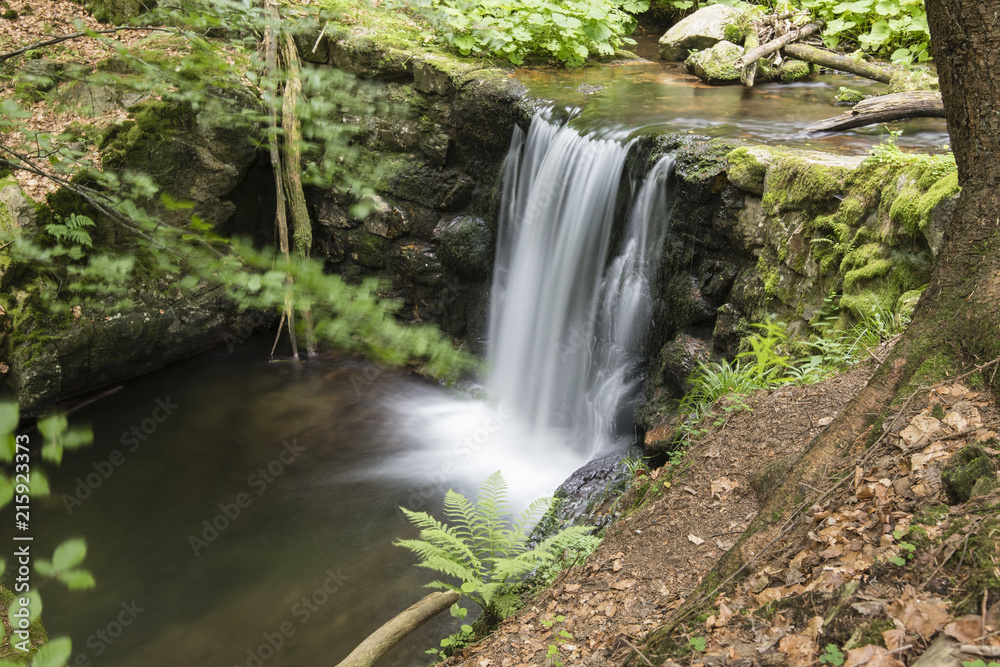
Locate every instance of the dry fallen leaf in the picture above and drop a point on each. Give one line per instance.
(695, 539)
(799, 649)
(924, 617)
(871, 656)
(623, 584)
(967, 629)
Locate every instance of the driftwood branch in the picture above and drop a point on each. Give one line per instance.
(387, 636)
(831, 60)
(884, 109)
(753, 55)
(75, 35)
(749, 73)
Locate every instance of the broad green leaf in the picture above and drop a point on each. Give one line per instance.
(34, 606)
(76, 580)
(53, 654)
(8, 417)
(6, 490)
(52, 426)
(39, 484)
(69, 554)
(44, 567)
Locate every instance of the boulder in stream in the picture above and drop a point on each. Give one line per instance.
(701, 30)
(716, 65)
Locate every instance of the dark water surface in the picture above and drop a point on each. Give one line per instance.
(281, 439)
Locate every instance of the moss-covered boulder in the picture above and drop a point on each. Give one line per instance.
(465, 244)
(971, 468)
(848, 97)
(17, 216)
(716, 65)
(193, 156)
(792, 70)
(701, 30)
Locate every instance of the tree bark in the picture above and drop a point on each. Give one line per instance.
(387, 636)
(754, 55)
(296, 199)
(884, 109)
(281, 219)
(831, 60)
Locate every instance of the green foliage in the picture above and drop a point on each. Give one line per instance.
(482, 548)
(832, 655)
(696, 644)
(897, 28)
(27, 480)
(979, 663)
(887, 152)
(569, 32)
(553, 653)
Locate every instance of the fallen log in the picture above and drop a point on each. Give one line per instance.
(753, 55)
(884, 109)
(387, 636)
(831, 60)
(749, 73)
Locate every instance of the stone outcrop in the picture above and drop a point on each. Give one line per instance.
(699, 31)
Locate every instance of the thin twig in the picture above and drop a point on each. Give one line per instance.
(75, 35)
(637, 651)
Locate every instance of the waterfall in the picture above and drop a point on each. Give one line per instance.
(568, 316)
(565, 325)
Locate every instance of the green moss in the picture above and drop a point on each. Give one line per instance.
(872, 633)
(135, 139)
(734, 33)
(794, 70)
(747, 167)
(796, 184)
(848, 96)
(367, 249)
(36, 631)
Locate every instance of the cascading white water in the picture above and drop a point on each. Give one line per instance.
(566, 324)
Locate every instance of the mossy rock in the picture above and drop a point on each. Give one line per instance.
(716, 65)
(465, 244)
(848, 97)
(792, 70)
(747, 166)
(367, 249)
(914, 78)
(965, 470)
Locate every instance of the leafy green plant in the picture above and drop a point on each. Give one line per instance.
(897, 28)
(72, 230)
(697, 644)
(483, 549)
(887, 152)
(456, 640)
(27, 480)
(906, 549)
(552, 652)
(832, 655)
(569, 32)
(980, 663)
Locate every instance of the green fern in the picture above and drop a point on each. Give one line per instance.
(74, 230)
(483, 549)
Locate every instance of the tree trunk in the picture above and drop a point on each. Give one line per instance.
(749, 73)
(281, 219)
(296, 199)
(832, 60)
(884, 109)
(960, 310)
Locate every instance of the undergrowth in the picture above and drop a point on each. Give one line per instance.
(719, 388)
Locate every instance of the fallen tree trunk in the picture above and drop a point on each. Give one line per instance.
(753, 55)
(749, 73)
(831, 60)
(387, 636)
(884, 109)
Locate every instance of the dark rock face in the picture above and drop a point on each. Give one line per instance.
(465, 244)
(970, 472)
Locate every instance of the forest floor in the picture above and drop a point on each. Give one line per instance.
(876, 570)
